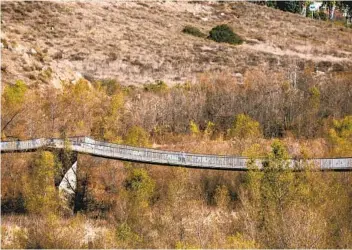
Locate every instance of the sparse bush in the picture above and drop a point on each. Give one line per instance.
(210, 129)
(194, 128)
(51, 233)
(193, 31)
(4, 68)
(78, 57)
(110, 85)
(185, 245)
(322, 15)
(184, 86)
(157, 87)
(240, 242)
(58, 55)
(224, 34)
(222, 196)
(46, 74)
(112, 56)
(125, 237)
(4, 43)
(318, 15)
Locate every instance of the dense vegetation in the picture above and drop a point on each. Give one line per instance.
(298, 6)
(221, 33)
(224, 34)
(135, 206)
(300, 108)
(325, 12)
(140, 206)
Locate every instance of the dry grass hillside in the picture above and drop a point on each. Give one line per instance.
(140, 42)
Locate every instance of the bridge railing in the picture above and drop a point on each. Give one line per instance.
(159, 156)
(199, 160)
(88, 145)
(23, 145)
(124, 152)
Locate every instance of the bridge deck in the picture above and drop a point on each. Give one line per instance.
(159, 157)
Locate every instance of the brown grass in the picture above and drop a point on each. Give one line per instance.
(151, 34)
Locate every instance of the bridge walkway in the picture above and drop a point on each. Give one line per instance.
(90, 146)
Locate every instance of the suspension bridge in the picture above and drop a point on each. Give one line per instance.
(90, 146)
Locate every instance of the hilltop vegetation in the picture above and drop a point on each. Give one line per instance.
(138, 43)
(270, 85)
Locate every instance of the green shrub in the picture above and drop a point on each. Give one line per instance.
(224, 34)
(140, 186)
(318, 15)
(125, 236)
(222, 196)
(111, 86)
(157, 87)
(323, 16)
(290, 6)
(193, 31)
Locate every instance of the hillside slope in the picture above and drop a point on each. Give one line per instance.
(44, 43)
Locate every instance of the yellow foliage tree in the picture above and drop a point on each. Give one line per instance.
(185, 245)
(279, 203)
(40, 194)
(245, 127)
(140, 186)
(222, 197)
(238, 241)
(13, 99)
(209, 130)
(107, 126)
(193, 128)
(137, 136)
(340, 136)
(269, 193)
(79, 106)
(138, 191)
(13, 95)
